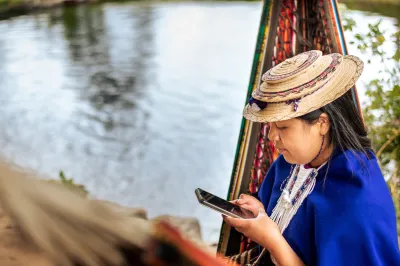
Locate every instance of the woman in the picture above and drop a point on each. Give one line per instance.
(324, 200)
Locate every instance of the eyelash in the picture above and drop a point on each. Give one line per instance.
(281, 128)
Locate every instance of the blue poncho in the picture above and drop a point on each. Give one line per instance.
(348, 219)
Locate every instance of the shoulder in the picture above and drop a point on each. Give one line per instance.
(352, 170)
(353, 190)
(353, 214)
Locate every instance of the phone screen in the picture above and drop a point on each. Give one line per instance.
(217, 203)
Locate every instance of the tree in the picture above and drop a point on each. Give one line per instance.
(382, 114)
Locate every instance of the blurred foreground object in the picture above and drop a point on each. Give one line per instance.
(59, 227)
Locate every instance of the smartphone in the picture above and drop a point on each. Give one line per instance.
(223, 206)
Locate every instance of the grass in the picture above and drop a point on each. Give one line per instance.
(70, 184)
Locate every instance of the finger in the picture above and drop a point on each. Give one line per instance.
(248, 207)
(239, 202)
(235, 222)
(225, 220)
(235, 201)
(246, 197)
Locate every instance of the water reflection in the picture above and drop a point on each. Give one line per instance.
(114, 79)
(140, 102)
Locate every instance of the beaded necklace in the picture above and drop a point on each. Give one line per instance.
(297, 186)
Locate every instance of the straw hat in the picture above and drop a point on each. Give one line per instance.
(302, 84)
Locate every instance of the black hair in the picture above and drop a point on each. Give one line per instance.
(347, 130)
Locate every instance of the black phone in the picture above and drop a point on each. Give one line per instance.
(223, 206)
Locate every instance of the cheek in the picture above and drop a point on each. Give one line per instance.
(297, 154)
(300, 148)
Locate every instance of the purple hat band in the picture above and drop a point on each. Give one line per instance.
(262, 105)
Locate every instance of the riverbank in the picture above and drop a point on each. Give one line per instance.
(16, 251)
(37, 212)
(12, 8)
(386, 2)
(389, 8)
(9, 9)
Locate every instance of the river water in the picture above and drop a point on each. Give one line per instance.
(141, 103)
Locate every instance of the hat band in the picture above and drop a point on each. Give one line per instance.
(312, 56)
(262, 105)
(336, 60)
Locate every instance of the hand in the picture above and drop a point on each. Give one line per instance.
(261, 229)
(249, 202)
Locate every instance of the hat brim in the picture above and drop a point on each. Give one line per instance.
(344, 79)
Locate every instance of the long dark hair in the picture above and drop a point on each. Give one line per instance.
(347, 130)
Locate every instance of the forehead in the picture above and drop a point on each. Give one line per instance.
(289, 121)
(293, 123)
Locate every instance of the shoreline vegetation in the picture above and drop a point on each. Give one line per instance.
(13, 8)
(388, 8)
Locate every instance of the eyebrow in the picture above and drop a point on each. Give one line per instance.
(282, 124)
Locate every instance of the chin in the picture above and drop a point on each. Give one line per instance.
(291, 160)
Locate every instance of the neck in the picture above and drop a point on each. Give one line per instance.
(323, 157)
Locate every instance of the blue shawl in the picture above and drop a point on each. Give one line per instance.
(348, 219)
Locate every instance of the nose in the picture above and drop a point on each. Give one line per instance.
(273, 134)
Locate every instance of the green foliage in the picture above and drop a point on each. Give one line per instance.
(69, 183)
(348, 24)
(11, 2)
(382, 113)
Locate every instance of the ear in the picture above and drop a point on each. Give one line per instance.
(324, 123)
